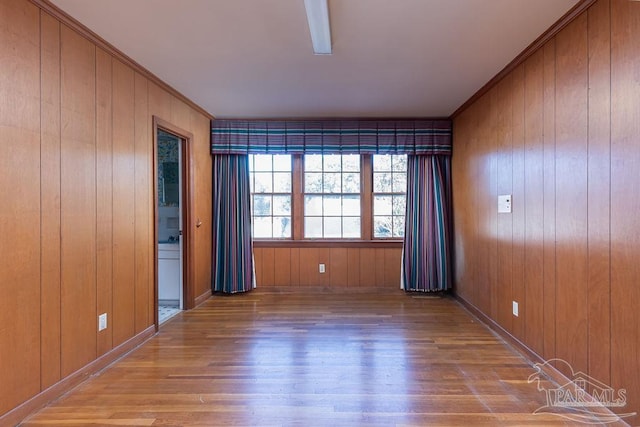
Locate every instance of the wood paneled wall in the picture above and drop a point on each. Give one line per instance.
(76, 218)
(560, 133)
(344, 267)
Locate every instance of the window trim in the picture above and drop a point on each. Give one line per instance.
(297, 238)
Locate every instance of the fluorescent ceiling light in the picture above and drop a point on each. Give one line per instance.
(318, 17)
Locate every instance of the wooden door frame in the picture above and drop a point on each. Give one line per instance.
(188, 221)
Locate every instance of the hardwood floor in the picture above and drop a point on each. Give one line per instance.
(312, 358)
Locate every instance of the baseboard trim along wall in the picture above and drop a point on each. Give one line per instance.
(39, 401)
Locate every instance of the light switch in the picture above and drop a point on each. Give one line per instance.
(504, 203)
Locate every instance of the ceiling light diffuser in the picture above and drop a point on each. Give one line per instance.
(318, 18)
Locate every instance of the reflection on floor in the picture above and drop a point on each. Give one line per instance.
(166, 312)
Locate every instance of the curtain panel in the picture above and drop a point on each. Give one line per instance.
(426, 262)
(232, 245)
(423, 137)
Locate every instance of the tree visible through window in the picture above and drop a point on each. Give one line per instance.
(270, 181)
(389, 195)
(332, 196)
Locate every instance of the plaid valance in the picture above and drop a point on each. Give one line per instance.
(336, 136)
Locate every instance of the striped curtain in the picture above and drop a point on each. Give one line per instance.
(233, 247)
(426, 260)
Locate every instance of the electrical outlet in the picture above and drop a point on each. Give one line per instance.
(321, 268)
(515, 308)
(102, 322)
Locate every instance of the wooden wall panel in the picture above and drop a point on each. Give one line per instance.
(599, 181)
(78, 201)
(104, 196)
(143, 243)
(76, 163)
(576, 175)
(625, 201)
(533, 202)
(338, 267)
(19, 218)
(123, 200)
(549, 196)
(571, 193)
(517, 215)
(367, 270)
(50, 200)
(345, 267)
(268, 267)
(504, 235)
(282, 267)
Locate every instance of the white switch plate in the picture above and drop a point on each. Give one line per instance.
(504, 203)
(515, 308)
(321, 268)
(102, 322)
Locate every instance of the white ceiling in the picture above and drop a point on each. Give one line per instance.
(253, 58)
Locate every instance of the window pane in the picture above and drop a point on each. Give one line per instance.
(282, 163)
(282, 182)
(399, 163)
(262, 162)
(399, 203)
(263, 183)
(351, 227)
(332, 227)
(261, 205)
(332, 205)
(351, 163)
(381, 162)
(351, 205)
(382, 226)
(332, 162)
(282, 205)
(351, 182)
(399, 183)
(331, 183)
(313, 162)
(262, 227)
(313, 183)
(313, 205)
(382, 205)
(281, 227)
(382, 182)
(313, 227)
(398, 226)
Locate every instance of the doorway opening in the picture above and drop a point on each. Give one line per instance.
(172, 220)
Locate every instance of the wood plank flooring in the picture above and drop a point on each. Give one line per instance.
(314, 358)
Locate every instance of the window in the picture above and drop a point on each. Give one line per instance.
(332, 196)
(328, 196)
(389, 195)
(270, 181)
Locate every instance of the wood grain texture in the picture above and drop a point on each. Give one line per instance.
(625, 200)
(50, 200)
(344, 267)
(143, 242)
(549, 195)
(104, 196)
(505, 221)
(578, 165)
(78, 201)
(123, 203)
(598, 196)
(20, 218)
(75, 153)
(339, 351)
(571, 193)
(534, 202)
